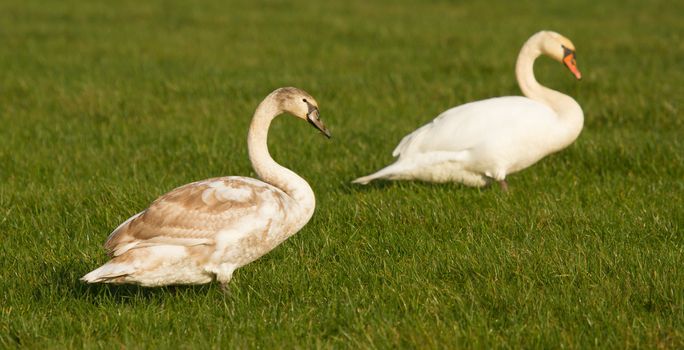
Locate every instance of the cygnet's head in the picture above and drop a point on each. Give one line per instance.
(300, 104)
(561, 49)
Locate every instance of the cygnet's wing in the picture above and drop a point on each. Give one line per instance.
(194, 213)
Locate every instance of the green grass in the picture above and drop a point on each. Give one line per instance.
(106, 105)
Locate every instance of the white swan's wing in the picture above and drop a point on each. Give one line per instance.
(412, 139)
(473, 124)
(194, 213)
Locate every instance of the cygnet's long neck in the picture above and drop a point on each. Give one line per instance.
(268, 170)
(567, 109)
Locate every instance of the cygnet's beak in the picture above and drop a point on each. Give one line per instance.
(315, 120)
(571, 63)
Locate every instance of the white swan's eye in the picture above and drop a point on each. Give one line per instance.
(566, 51)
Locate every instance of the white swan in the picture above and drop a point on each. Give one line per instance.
(486, 140)
(205, 230)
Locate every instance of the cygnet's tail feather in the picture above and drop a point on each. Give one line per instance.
(108, 273)
(384, 173)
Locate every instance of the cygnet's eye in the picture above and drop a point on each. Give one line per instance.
(304, 100)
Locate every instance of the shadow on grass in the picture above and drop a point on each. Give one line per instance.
(131, 294)
(350, 188)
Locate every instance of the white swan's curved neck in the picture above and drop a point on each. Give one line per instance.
(565, 106)
(524, 71)
(266, 168)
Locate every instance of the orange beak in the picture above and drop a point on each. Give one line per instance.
(569, 61)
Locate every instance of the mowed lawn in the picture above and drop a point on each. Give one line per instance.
(106, 105)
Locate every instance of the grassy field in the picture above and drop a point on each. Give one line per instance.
(106, 105)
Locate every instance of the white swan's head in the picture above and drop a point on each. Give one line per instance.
(560, 49)
(300, 104)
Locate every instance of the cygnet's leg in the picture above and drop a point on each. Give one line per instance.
(225, 288)
(504, 185)
(223, 275)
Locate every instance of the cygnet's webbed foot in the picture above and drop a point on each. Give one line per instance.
(225, 288)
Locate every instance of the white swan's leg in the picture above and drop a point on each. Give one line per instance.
(499, 175)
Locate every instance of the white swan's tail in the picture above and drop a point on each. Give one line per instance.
(391, 172)
(110, 272)
(428, 166)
